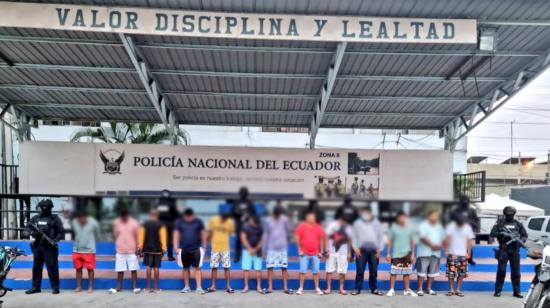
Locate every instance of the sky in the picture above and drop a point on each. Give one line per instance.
(529, 113)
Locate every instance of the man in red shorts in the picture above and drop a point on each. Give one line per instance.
(86, 234)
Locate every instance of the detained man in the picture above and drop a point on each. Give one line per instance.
(276, 235)
(338, 237)
(428, 252)
(86, 232)
(252, 239)
(190, 243)
(126, 234)
(368, 241)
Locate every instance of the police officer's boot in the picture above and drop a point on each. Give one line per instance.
(33, 290)
(55, 291)
(517, 295)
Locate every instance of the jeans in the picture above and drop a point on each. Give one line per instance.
(367, 257)
(305, 262)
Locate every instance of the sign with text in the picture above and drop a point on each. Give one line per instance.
(80, 168)
(237, 25)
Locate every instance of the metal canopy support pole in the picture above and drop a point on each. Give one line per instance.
(535, 68)
(321, 104)
(151, 86)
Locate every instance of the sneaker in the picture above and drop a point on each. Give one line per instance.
(185, 290)
(319, 292)
(300, 291)
(112, 291)
(432, 292)
(409, 292)
(200, 291)
(137, 291)
(420, 293)
(390, 293)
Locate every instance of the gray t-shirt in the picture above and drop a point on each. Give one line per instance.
(85, 236)
(276, 232)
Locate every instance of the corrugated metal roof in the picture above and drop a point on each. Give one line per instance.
(270, 83)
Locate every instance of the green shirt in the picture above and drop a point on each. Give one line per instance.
(401, 238)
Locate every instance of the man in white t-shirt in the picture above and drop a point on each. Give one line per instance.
(458, 248)
(339, 234)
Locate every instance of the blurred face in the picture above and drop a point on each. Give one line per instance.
(83, 220)
(366, 215)
(154, 215)
(433, 218)
(402, 219)
(188, 218)
(310, 218)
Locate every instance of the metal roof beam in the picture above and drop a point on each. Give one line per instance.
(150, 84)
(326, 90)
(516, 84)
(442, 99)
(122, 70)
(306, 50)
(233, 111)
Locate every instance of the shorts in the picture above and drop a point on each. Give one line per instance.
(401, 266)
(126, 262)
(191, 258)
(337, 263)
(309, 262)
(428, 266)
(84, 260)
(251, 262)
(457, 267)
(222, 258)
(152, 260)
(276, 259)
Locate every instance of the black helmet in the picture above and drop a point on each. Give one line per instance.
(509, 211)
(45, 203)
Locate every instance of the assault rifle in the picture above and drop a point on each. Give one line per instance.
(43, 235)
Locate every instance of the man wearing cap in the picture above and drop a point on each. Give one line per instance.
(46, 230)
(508, 252)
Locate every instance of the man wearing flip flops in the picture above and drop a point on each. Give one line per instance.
(220, 228)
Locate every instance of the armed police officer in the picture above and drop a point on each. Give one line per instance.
(505, 231)
(46, 229)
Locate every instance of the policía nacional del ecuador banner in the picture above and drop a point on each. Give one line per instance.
(237, 25)
(87, 169)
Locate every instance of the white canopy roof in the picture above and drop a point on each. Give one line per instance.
(494, 204)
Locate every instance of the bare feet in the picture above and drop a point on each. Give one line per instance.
(245, 290)
(90, 290)
(77, 290)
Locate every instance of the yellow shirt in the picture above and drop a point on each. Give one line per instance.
(220, 233)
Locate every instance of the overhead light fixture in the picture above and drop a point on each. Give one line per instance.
(488, 38)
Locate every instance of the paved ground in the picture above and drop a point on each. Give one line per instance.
(309, 300)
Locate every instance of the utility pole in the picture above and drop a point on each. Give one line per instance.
(511, 141)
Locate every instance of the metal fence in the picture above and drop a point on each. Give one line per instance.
(471, 185)
(10, 180)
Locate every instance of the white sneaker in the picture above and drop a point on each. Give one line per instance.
(420, 293)
(432, 292)
(319, 292)
(137, 291)
(112, 291)
(410, 292)
(185, 290)
(390, 293)
(300, 291)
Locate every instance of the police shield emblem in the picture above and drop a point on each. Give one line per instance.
(111, 161)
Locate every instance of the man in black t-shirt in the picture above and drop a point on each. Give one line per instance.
(252, 238)
(189, 238)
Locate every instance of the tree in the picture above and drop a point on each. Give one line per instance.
(130, 133)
